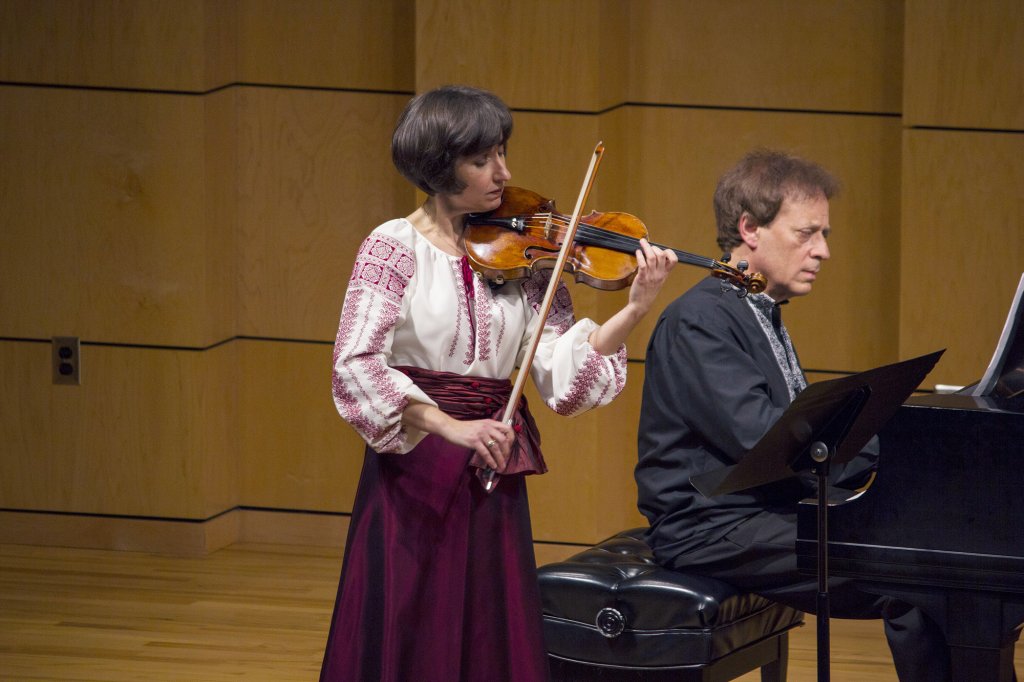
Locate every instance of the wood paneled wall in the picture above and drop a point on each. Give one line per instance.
(176, 45)
(119, 223)
(183, 185)
(842, 55)
(961, 251)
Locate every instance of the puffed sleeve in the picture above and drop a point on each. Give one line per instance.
(570, 375)
(368, 393)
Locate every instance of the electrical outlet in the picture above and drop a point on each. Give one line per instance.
(67, 361)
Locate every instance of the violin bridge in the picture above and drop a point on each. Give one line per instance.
(547, 226)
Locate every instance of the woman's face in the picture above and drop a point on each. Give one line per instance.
(484, 175)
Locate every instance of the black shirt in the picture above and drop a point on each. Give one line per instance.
(712, 389)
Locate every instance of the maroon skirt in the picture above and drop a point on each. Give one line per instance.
(439, 579)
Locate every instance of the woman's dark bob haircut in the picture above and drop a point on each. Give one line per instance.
(440, 126)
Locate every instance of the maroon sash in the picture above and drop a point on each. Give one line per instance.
(466, 398)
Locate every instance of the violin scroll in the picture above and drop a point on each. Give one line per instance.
(737, 277)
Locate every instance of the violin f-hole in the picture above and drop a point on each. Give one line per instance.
(532, 255)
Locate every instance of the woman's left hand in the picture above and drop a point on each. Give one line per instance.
(653, 265)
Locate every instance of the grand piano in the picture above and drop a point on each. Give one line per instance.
(942, 524)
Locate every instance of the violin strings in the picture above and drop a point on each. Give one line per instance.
(541, 223)
(613, 240)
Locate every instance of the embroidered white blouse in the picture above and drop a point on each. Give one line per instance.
(408, 303)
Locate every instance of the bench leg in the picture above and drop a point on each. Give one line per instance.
(776, 670)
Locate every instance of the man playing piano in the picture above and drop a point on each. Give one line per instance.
(720, 371)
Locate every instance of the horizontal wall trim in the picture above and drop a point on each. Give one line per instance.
(175, 519)
(155, 346)
(315, 342)
(409, 93)
(200, 93)
(776, 110)
(241, 524)
(285, 512)
(958, 129)
(841, 372)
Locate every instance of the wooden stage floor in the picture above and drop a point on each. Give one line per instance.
(247, 612)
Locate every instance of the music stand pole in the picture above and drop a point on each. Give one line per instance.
(821, 454)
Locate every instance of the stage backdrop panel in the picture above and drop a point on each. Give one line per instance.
(315, 176)
(180, 45)
(962, 246)
(571, 55)
(295, 451)
(148, 433)
(118, 210)
(964, 65)
(327, 44)
(821, 56)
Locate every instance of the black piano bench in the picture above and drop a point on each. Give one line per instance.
(611, 614)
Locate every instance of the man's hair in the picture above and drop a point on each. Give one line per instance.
(440, 126)
(758, 184)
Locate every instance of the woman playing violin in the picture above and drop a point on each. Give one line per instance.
(438, 580)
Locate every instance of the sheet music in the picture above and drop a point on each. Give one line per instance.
(1010, 331)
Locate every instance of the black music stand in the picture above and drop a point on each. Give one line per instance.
(830, 421)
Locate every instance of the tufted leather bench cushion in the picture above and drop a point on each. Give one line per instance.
(613, 605)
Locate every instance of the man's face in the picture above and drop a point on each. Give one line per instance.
(789, 250)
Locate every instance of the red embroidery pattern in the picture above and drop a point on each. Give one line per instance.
(585, 380)
(619, 368)
(368, 398)
(592, 376)
(344, 399)
(382, 391)
(534, 288)
(365, 392)
(384, 265)
(460, 295)
(484, 313)
(560, 316)
(345, 327)
(495, 310)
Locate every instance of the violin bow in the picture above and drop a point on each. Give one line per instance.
(489, 477)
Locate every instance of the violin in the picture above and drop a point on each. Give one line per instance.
(525, 233)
